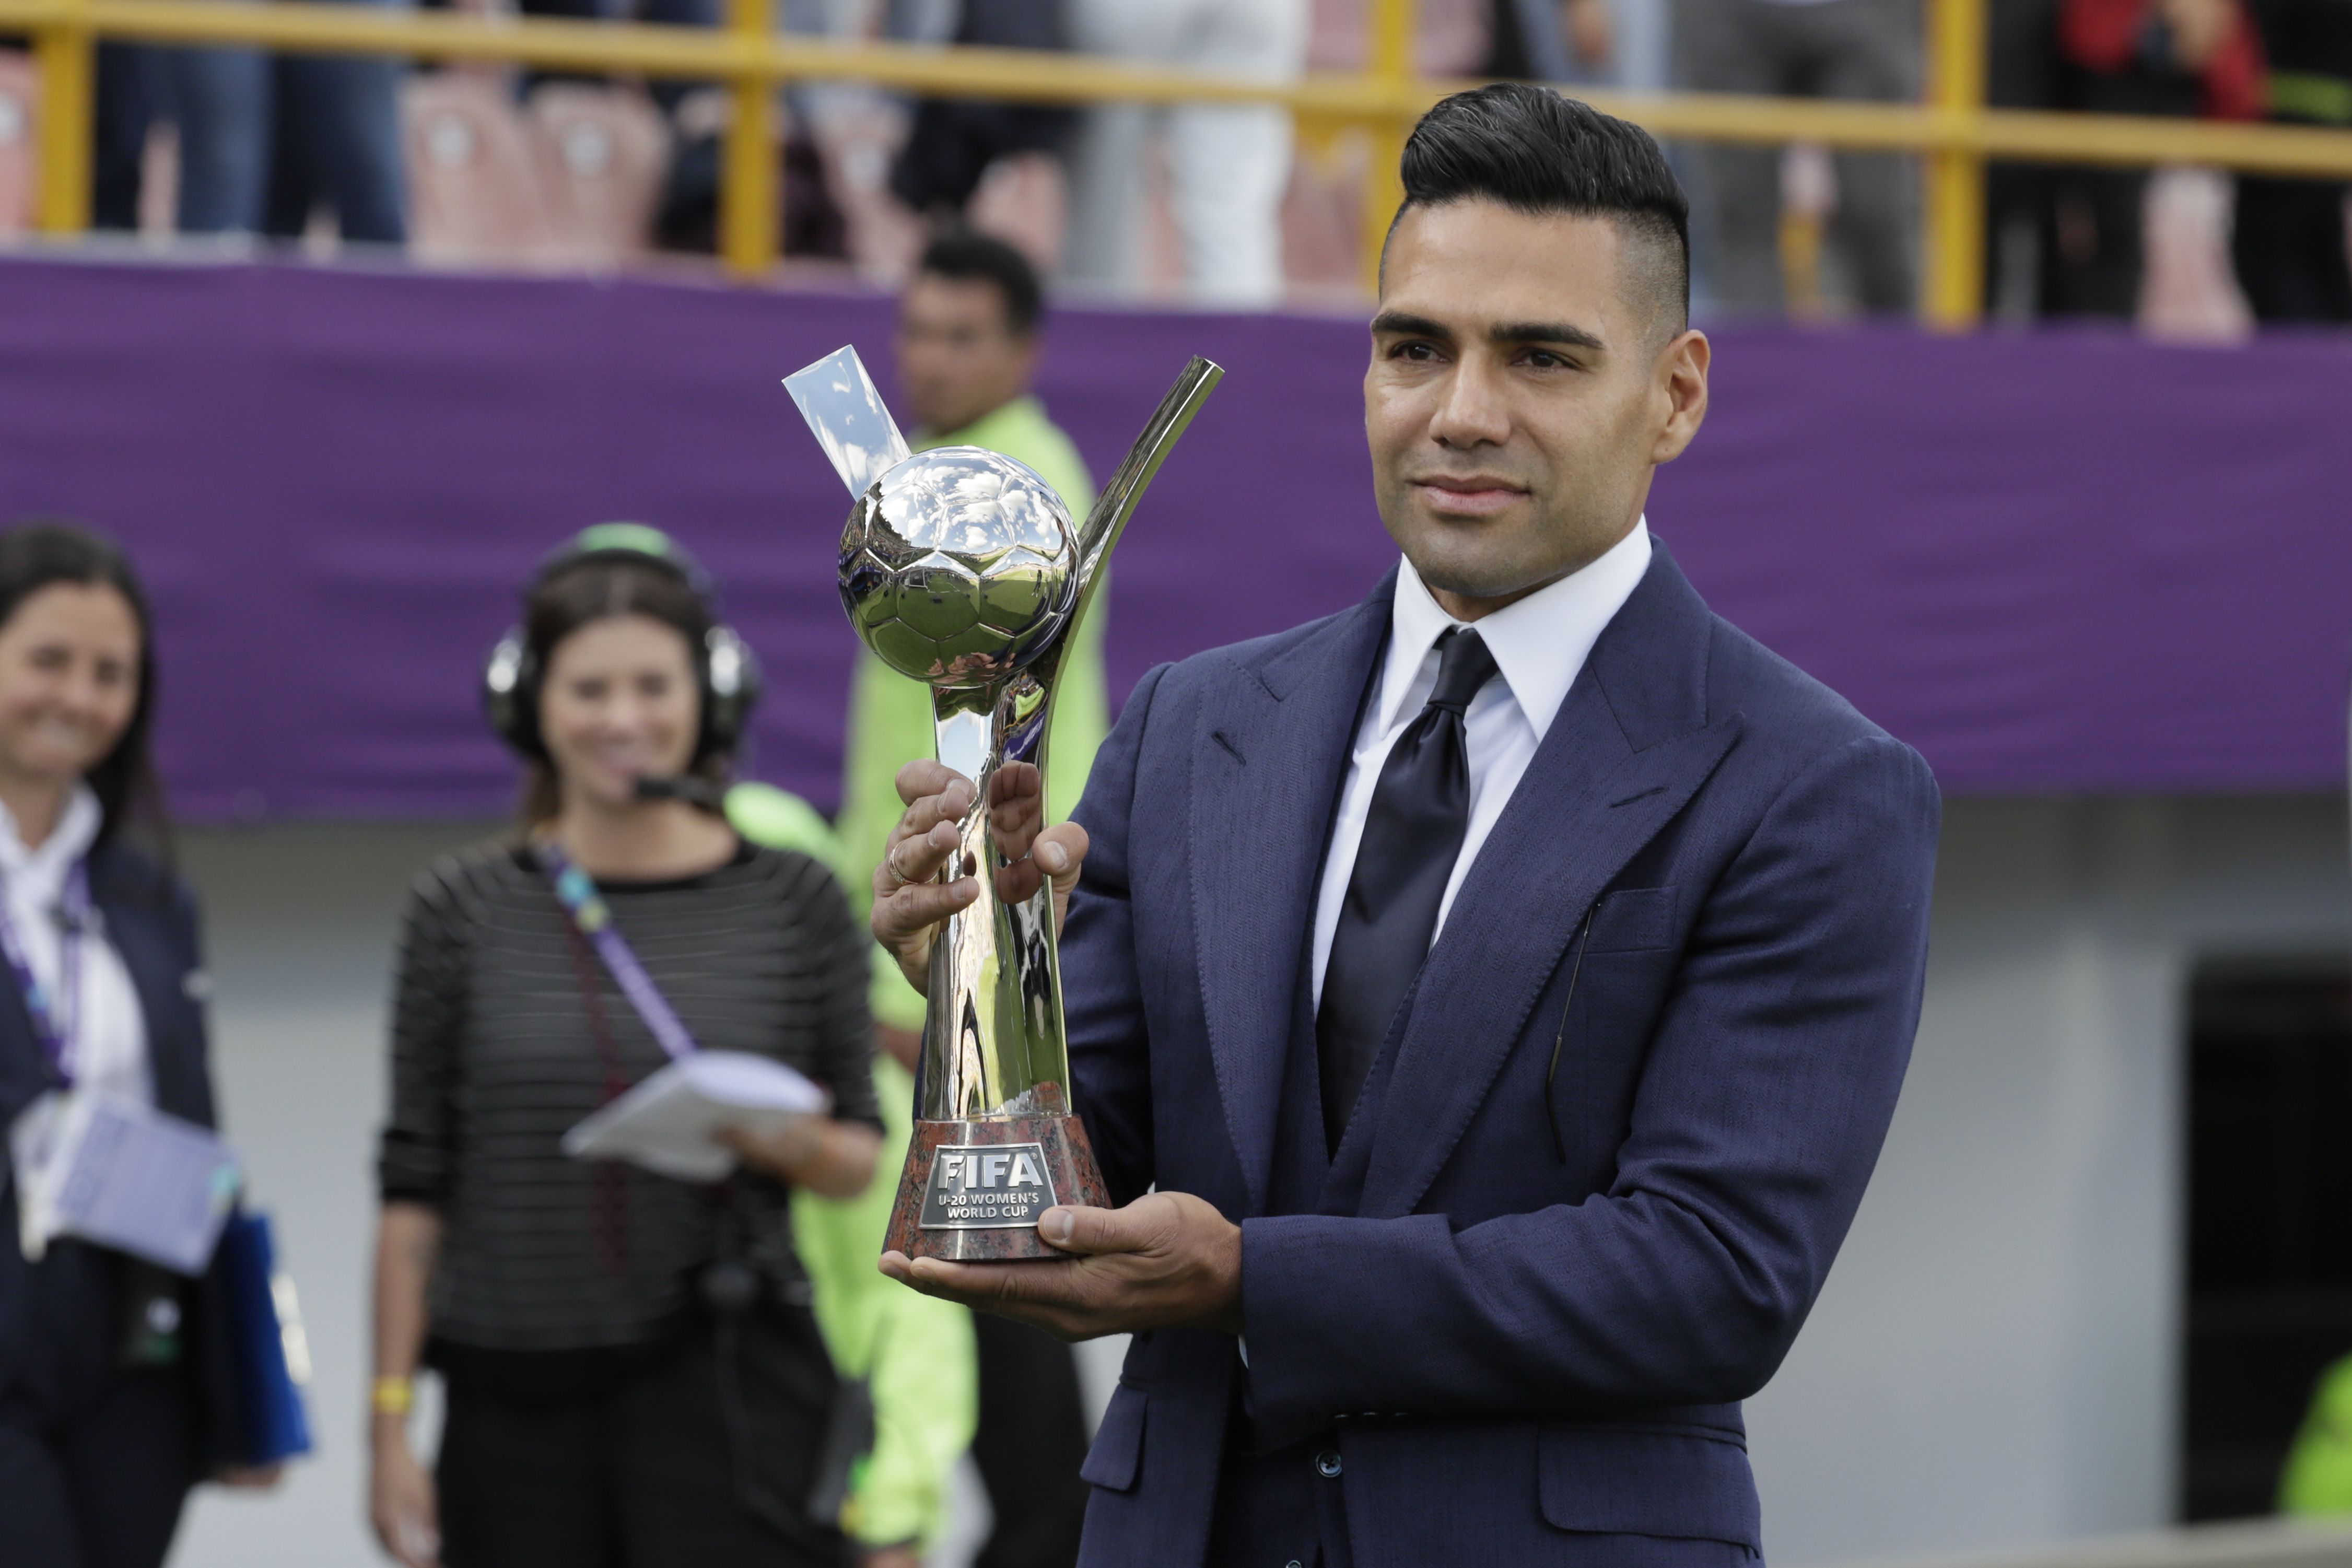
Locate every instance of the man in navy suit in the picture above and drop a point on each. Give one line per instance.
(1487, 1004)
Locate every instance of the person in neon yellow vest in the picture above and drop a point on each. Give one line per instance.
(967, 350)
(2319, 1479)
(914, 1353)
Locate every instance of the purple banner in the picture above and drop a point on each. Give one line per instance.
(2066, 561)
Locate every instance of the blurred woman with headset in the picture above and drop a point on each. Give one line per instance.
(113, 1401)
(634, 1377)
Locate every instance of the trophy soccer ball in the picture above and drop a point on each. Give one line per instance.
(959, 566)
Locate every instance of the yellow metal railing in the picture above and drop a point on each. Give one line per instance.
(1953, 129)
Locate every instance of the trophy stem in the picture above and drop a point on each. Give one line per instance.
(993, 1041)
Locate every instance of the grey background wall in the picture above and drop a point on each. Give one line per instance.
(1993, 1362)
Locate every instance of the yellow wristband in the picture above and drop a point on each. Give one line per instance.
(393, 1396)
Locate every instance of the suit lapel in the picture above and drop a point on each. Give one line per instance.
(1630, 746)
(1267, 768)
(135, 923)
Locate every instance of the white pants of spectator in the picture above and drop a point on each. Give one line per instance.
(1228, 165)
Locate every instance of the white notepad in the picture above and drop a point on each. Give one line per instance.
(665, 1123)
(122, 1175)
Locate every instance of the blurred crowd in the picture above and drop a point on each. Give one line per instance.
(1231, 204)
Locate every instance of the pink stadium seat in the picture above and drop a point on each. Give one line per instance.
(1022, 201)
(474, 182)
(1455, 35)
(1321, 219)
(20, 92)
(600, 154)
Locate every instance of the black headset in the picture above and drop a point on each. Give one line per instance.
(725, 669)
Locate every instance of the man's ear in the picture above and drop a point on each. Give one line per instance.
(1678, 380)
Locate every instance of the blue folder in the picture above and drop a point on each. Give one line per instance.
(265, 1345)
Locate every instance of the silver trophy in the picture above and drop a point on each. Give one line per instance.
(962, 569)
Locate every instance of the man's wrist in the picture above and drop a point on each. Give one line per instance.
(1229, 1318)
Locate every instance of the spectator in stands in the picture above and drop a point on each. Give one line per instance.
(1549, 40)
(967, 347)
(109, 1410)
(634, 1373)
(263, 142)
(914, 1351)
(1803, 49)
(687, 218)
(2133, 57)
(2288, 240)
(953, 141)
(1228, 164)
(2021, 71)
(337, 146)
(219, 103)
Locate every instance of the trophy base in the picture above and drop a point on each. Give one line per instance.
(973, 1190)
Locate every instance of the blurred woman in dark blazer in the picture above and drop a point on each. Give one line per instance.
(111, 1401)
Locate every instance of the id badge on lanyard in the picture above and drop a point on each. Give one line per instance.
(96, 1166)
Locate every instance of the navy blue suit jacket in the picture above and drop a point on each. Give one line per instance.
(1606, 1156)
(57, 1325)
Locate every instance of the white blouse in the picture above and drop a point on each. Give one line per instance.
(106, 1044)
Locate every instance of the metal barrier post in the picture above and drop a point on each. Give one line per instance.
(1396, 28)
(749, 169)
(1954, 239)
(66, 55)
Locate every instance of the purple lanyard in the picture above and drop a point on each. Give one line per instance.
(585, 907)
(52, 1026)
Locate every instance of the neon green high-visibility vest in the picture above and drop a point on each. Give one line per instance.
(916, 1351)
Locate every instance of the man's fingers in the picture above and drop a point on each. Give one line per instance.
(1088, 1231)
(923, 776)
(915, 858)
(917, 907)
(1014, 786)
(1060, 850)
(924, 814)
(995, 1286)
(1059, 1299)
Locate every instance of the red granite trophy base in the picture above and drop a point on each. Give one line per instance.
(1069, 1166)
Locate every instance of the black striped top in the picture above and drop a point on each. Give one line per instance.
(494, 1055)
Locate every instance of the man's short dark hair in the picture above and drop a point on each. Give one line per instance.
(961, 254)
(1535, 151)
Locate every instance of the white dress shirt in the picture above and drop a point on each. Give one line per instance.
(1539, 644)
(106, 1045)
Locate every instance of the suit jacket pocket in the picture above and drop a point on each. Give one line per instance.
(1118, 1452)
(1625, 1480)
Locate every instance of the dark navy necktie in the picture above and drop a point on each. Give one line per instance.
(1413, 835)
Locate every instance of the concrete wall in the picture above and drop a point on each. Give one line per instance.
(1992, 1363)
(1995, 1359)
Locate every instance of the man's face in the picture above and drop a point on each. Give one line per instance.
(1521, 393)
(957, 357)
